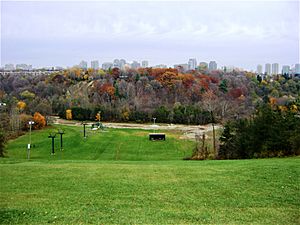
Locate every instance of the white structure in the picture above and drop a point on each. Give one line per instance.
(135, 65)
(181, 67)
(122, 63)
(116, 63)
(95, 64)
(268, 69)
(275, 69)
(107, 65)
(162, 66)
(192, 64)
(259, 69)
(212, 65)
(297, 68)
(83, 65)
(23, 67)
(145, 64)
(285, 70)
(9, 67)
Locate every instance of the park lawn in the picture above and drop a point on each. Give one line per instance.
(262, 191)
(111, 144)
(145, 183)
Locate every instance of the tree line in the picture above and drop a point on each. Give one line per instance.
(169, 95)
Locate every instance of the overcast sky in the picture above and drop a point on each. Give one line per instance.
(240, 33)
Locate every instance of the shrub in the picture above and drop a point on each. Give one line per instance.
(39, 121)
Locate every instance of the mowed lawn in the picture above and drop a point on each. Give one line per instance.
(145, 183)
(111, 144)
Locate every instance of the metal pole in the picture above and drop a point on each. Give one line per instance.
(53, 145)
(29, 146)
(61, 141)
(30, 133)
(84, 130)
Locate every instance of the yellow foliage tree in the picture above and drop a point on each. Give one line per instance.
(21, 105)
(69, 114)
(98, 116)
(294, 108)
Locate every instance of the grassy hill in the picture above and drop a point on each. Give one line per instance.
(119, 177)
(111, 144)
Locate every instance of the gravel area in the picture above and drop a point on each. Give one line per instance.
(189, 131)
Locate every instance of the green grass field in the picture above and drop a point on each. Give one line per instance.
(119, 177)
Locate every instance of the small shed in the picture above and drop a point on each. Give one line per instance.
(157, 136)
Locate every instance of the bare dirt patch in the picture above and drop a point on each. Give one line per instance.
(188, 131)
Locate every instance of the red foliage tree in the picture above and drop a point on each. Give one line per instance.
(235, 92)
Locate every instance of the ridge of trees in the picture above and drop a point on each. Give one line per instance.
(139, 95)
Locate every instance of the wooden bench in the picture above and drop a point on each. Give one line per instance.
(157, 136)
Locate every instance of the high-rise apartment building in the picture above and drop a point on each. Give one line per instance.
(95, 64)
(181, 67)
(297, 68)
(192, 64)
(275, 69)
(212, 65)
(107, 65)
(122, 63)
(135, 65)
(259, 69)
(268, 69)
(83, 65)
(285, 70)
(9, 67)
(145, 64)
(116, 63)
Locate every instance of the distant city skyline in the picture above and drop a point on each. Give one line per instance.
(242, 34)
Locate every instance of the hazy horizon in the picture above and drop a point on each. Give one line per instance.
(243, 34)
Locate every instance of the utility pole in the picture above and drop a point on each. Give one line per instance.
(214, 133)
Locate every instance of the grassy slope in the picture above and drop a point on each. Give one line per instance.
(115, 144)
(48, 189)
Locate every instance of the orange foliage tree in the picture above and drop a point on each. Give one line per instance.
(168, 79)
(39, 120)
(108, 89)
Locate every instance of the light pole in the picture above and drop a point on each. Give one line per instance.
(154, 124)
(84, 124)
(154, 120)
(61, 132)
(3, 104)
(29, 145)
(52, 136)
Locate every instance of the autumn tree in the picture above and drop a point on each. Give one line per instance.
(21, 106)
(69, 114)
(39, 120)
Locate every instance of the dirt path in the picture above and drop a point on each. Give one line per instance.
(189, 131)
